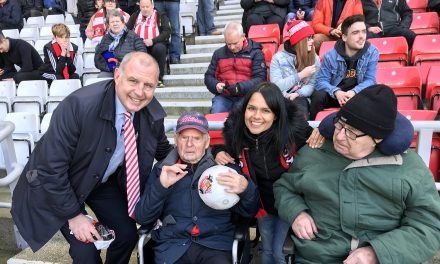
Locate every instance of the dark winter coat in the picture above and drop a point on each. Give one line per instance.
(279, 8)
(388, 14)
(28, 5)
(10, 15)
(86, 9)
(73, 155)
(129, 42)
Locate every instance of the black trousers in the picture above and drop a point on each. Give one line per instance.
(109, 203)
(159, 53)
(256, 19)
(199, 254)
(319, 101)
(27, 76)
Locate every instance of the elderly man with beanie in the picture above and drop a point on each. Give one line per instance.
(294, 69)
(191, 231)
(348, 202)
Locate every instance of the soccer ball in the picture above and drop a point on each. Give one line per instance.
(212, 193)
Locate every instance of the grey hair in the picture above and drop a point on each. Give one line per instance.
(233, 26)
(114, 13)
(144, 58)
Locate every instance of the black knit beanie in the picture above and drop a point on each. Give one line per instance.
(372, 111)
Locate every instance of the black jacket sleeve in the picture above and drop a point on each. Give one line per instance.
(164, 30)
(406, 14)
(210, 80)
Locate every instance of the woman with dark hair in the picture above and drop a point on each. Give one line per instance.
(293, 69)
(97, 26)
(262, 135)
(118, 42)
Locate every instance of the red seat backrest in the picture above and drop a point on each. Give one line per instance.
(325, 46)
(426, 53)
(433, 87)
(392, 50)
(417, 5)
(324, 113)
(269, 33)
(419, 115)
(216, 135)
(425, 23)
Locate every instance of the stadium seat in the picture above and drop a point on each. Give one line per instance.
(45, 123)
(325, 46)
(31, 97)
(216, 135)
(74, 31)
(37, 21)
(54, 19)
(417, 6)
(31, 33)
(433, 88)
(285, 34)
(324, 113)
(269, 33)
(95, 80)
(69, 19)
(187, 16)
(426, 53)
(425, 23)
(59, 89)
(7, 92)
(46, 32)
(419, 115)
(79, 42)
(89, 63)
(393, 51)
(88, 46)
(434, 160)
(11, 33)
(406, 84)
(39, 46)
(25, 134)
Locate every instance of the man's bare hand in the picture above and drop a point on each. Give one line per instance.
(337, 33)
(148, 42)
(304, 226)
(292, 96)
(234, 182)
(83, 229)
(223, 158)
(220, 86)
(375, 30)
(172, 174)
(363, 255)
(315, 140)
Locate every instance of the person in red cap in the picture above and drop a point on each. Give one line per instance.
(293, 69)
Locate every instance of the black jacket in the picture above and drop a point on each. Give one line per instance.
(129, 42)
(164, 27)
(53, 66)
(10, 15)
(263, 160)
(279, 8)
(22, 54)
(28, 5)
(392, 13)
(73, 155)
(86, 9)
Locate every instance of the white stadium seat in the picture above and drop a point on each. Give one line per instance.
(31, 97)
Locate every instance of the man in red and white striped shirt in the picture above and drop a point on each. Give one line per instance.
(155, 29)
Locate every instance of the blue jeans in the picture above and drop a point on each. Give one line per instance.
(205, 16)
(172, 10)
(221, 103)
(273, 232)
(308, 15)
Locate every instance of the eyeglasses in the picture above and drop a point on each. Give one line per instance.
(348, 132)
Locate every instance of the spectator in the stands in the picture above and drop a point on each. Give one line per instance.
(53, 7)
(118, 42)
(301, 10)
(388, 19)
(347, 69)
(259, 12)
(60, 56)
(235, 69)
(155, 29)
(328, 17)
(10, 15)
(18, 52)
(97, 26)
(129, 6)
(86, 9)
(172, 9)
(32, 8)
(205, 18)
(293, 69)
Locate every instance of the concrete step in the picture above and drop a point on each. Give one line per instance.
(228, 17)
(230, 7)
(204, 48)
(222, 23)
(231, 2)
(199, 68)
(209, 39)
(184, 80)
(226, 12)
(183, 92)
(174, 107)
(196, 58)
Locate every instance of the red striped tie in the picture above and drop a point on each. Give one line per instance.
(131, 165)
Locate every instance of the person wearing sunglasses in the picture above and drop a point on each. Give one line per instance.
(348, 202)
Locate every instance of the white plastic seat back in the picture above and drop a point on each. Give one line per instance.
(89, 62)
(95, 80)
(37, 21)
(54, 19)
(74, 31)
(46, 32)
(69, 18)
(88, 46)
(31, 97)
(45, 123)
(39, 46)
(79, 42)
(7, 89)
(11, 33)
(31, 33)
(64, 87)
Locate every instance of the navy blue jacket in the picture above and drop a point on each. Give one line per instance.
(183, 203)
(10, 15)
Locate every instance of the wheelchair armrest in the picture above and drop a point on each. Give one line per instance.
(289, 246)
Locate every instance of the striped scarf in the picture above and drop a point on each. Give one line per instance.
(146, 27)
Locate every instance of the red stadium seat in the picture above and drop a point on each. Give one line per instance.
(269, 33)
(433, 88)
(417, 5)
(425, 23)
(285, 34)
(324, 113)
(426, 53)
(216, 135)
(406, 84)
(434, 160)
(325, 46)
(393, 51)
(419, 115)
(281, 47)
